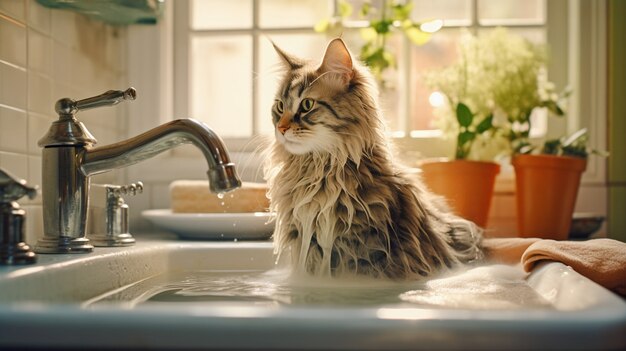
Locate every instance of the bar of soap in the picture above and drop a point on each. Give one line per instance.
(194, 196)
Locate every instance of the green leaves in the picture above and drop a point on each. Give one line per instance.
(366, 8)
(417, 36)
(402, 11)
(345, 9)
(377, 58)
(382, 17)
(383, 26)
(467, 132)
(463, 115)
(551, 147)
(485, 124)
(465, 137)
(574, 145)
(553, 107)
(322, 26)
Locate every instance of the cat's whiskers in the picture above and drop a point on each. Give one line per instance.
(263, 145)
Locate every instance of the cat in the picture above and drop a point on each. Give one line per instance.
(342, 206)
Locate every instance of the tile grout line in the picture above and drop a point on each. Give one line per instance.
(12, 20)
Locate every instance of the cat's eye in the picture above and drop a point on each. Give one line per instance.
(307, 104)
(280, 107)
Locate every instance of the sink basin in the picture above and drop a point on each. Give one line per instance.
(176, 295)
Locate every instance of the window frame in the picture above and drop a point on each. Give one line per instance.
(182, 62)
(577, 27)
(407, 139)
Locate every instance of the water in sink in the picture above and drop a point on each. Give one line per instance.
(489, 287)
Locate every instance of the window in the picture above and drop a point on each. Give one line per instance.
(226, 66)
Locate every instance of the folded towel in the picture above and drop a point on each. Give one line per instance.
(601, 260)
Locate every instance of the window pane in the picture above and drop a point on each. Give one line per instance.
(219, 14)
(452, 12)
(289, 13)
(309, 46)
(389, 99)
(220, 83)
(534, 35)
(438, 53)
(503, 12)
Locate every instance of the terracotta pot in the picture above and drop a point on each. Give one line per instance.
(467, 185)
(546, 190)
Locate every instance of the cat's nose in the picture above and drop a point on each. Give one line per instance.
(284, 123)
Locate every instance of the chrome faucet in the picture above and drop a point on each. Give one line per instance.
(70, 159)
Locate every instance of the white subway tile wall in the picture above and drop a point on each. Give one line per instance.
(46, 55)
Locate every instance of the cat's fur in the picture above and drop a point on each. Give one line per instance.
(341, 204)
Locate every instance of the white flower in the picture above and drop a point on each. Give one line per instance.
(499, 73)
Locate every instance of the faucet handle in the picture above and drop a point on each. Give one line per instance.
(108, 225)
(13, 189)
(68, 131)
(67, 106)
(119, 190)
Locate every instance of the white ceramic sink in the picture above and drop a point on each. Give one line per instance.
(107, 300)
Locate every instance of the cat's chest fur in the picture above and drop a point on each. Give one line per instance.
(315, 205)
(317, 191)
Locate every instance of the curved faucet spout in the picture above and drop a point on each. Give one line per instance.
(69, 159)
(222, 174)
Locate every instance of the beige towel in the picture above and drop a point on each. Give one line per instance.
(601, 260)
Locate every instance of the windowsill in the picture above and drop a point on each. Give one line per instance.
(505, 181)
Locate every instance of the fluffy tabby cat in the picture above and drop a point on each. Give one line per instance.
(341, 204)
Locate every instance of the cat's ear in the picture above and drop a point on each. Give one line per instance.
(289, 61)
(337, 60)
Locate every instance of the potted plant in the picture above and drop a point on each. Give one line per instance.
(468, 185)
(492, 91)
(547, 185)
